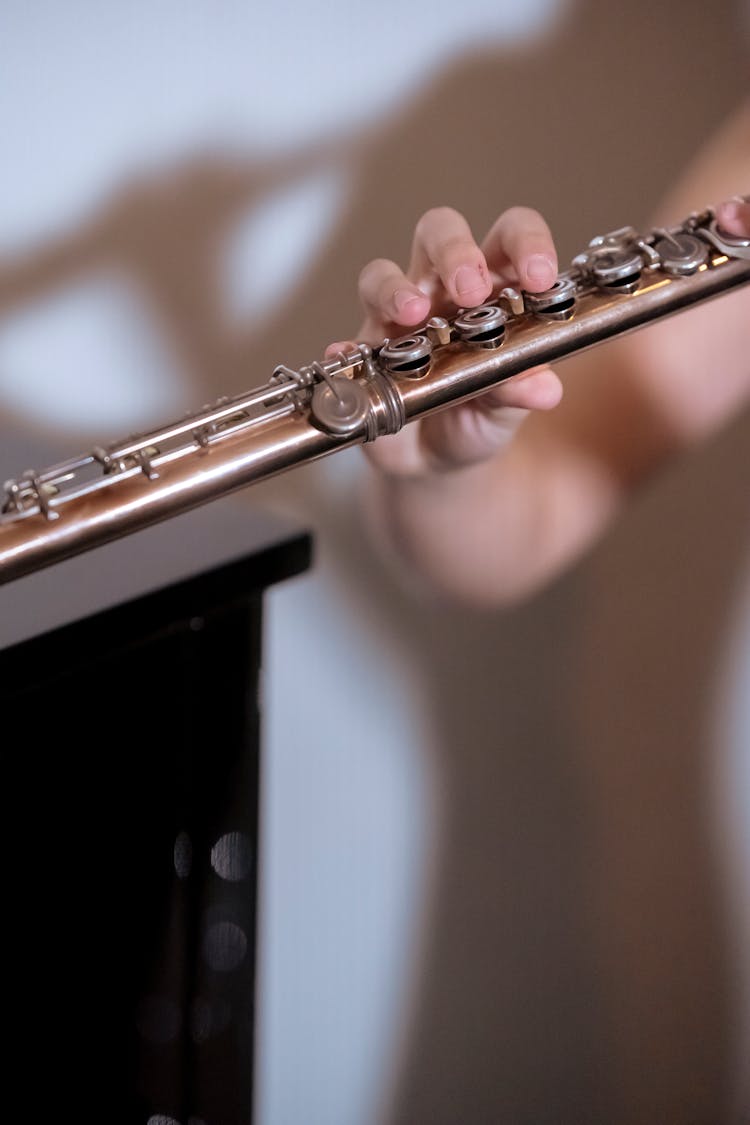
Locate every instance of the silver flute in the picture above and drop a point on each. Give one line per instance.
(622, 281)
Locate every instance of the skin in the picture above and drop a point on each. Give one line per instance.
(485, 502)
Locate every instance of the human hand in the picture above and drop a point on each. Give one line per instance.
(486, 529)
(733, 216)
(449, 270)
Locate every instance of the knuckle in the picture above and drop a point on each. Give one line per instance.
(370, 272)
(522, 216)
(436, 218)
(525, 222)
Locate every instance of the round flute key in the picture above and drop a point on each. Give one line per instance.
(340, 406)
(408, 355)
(616, 267)
(556, 303)
(484, 326)
(681, 254)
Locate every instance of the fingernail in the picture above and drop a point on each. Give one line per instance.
(408, 305)
(540, 268)
(469, 281)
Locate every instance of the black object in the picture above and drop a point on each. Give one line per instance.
(130, 771)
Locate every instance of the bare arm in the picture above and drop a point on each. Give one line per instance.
(485, 502)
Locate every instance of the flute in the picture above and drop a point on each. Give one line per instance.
(623, 281)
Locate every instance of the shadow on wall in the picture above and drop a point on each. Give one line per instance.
(497, 127)
(572, 961)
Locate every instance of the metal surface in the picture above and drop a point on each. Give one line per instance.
(621, 282)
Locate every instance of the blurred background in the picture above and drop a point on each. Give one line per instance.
(505, 857)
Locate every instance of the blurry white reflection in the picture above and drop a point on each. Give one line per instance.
(224, 946)
(232, 855)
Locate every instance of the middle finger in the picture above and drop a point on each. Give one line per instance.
(446, 257)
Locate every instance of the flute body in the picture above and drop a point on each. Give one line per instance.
(621, 282)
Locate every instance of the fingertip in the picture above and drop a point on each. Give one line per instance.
(471, 285)
(733, 217)
(539, 272)
(338, 346)
(410, 306)
(549, 395)
(538, 389)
